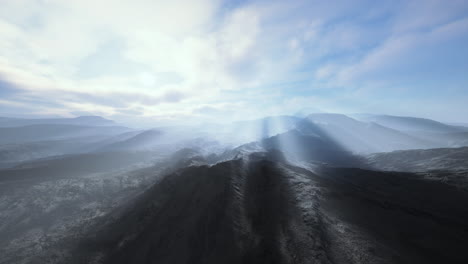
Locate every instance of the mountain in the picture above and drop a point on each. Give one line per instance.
(276, 190)
(256, 210)
(81, 121)
(70, 166)
(352, 135)
(241, 132)
(414, 124)
(41, 132)
(441, 140)
(334, 139)
(296, 146)
(145, 140)
(421, 159)
(11, 154)
(439, 135)
(357, 136)
(458, 124)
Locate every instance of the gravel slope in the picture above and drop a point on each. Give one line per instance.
(260, 211)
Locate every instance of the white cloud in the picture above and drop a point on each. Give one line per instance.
(158, 58)
(44, 46)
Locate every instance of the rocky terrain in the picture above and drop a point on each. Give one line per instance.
(421, 159)
(258, 210)
(294, 196)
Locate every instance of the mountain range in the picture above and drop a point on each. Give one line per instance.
(323, 188)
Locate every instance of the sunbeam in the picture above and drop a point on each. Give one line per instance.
(233, 132)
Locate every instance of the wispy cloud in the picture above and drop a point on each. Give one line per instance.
(211, 58)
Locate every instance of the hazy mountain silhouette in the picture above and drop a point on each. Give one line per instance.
(42, 132)
(414, 124)
(241, 132)
(311, 148)
(141, 141)
(20, 152)
(72, 165)
(81, 120)
(358, 136)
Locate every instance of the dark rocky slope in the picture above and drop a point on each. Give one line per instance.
(255, 210)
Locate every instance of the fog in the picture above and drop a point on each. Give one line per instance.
(101, 192)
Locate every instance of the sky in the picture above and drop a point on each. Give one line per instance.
(147, 61)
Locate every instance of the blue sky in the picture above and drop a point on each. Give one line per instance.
(148, 61)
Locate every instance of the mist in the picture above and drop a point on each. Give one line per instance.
(88, 189)
(237, 132)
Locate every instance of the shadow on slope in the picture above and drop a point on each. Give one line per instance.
(418, 221)
(267, 212)
(228, 213)
(308, 143)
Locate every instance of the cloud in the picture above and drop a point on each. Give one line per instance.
(406, 53)
(170, 58)
(148, 52)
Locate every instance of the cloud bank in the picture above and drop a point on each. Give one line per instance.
(163, 61)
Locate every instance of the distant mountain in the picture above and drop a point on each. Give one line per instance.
(11, 154)
(459, 124)
(298, 147)
(242, 132)
(414, 124)
(357, 136)
(41, 132)
(73, 165)
(311, 148)
(439, 134)
(81, 120)
(141, 141)
(334, 139)
(444, 140)
(351, 134)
